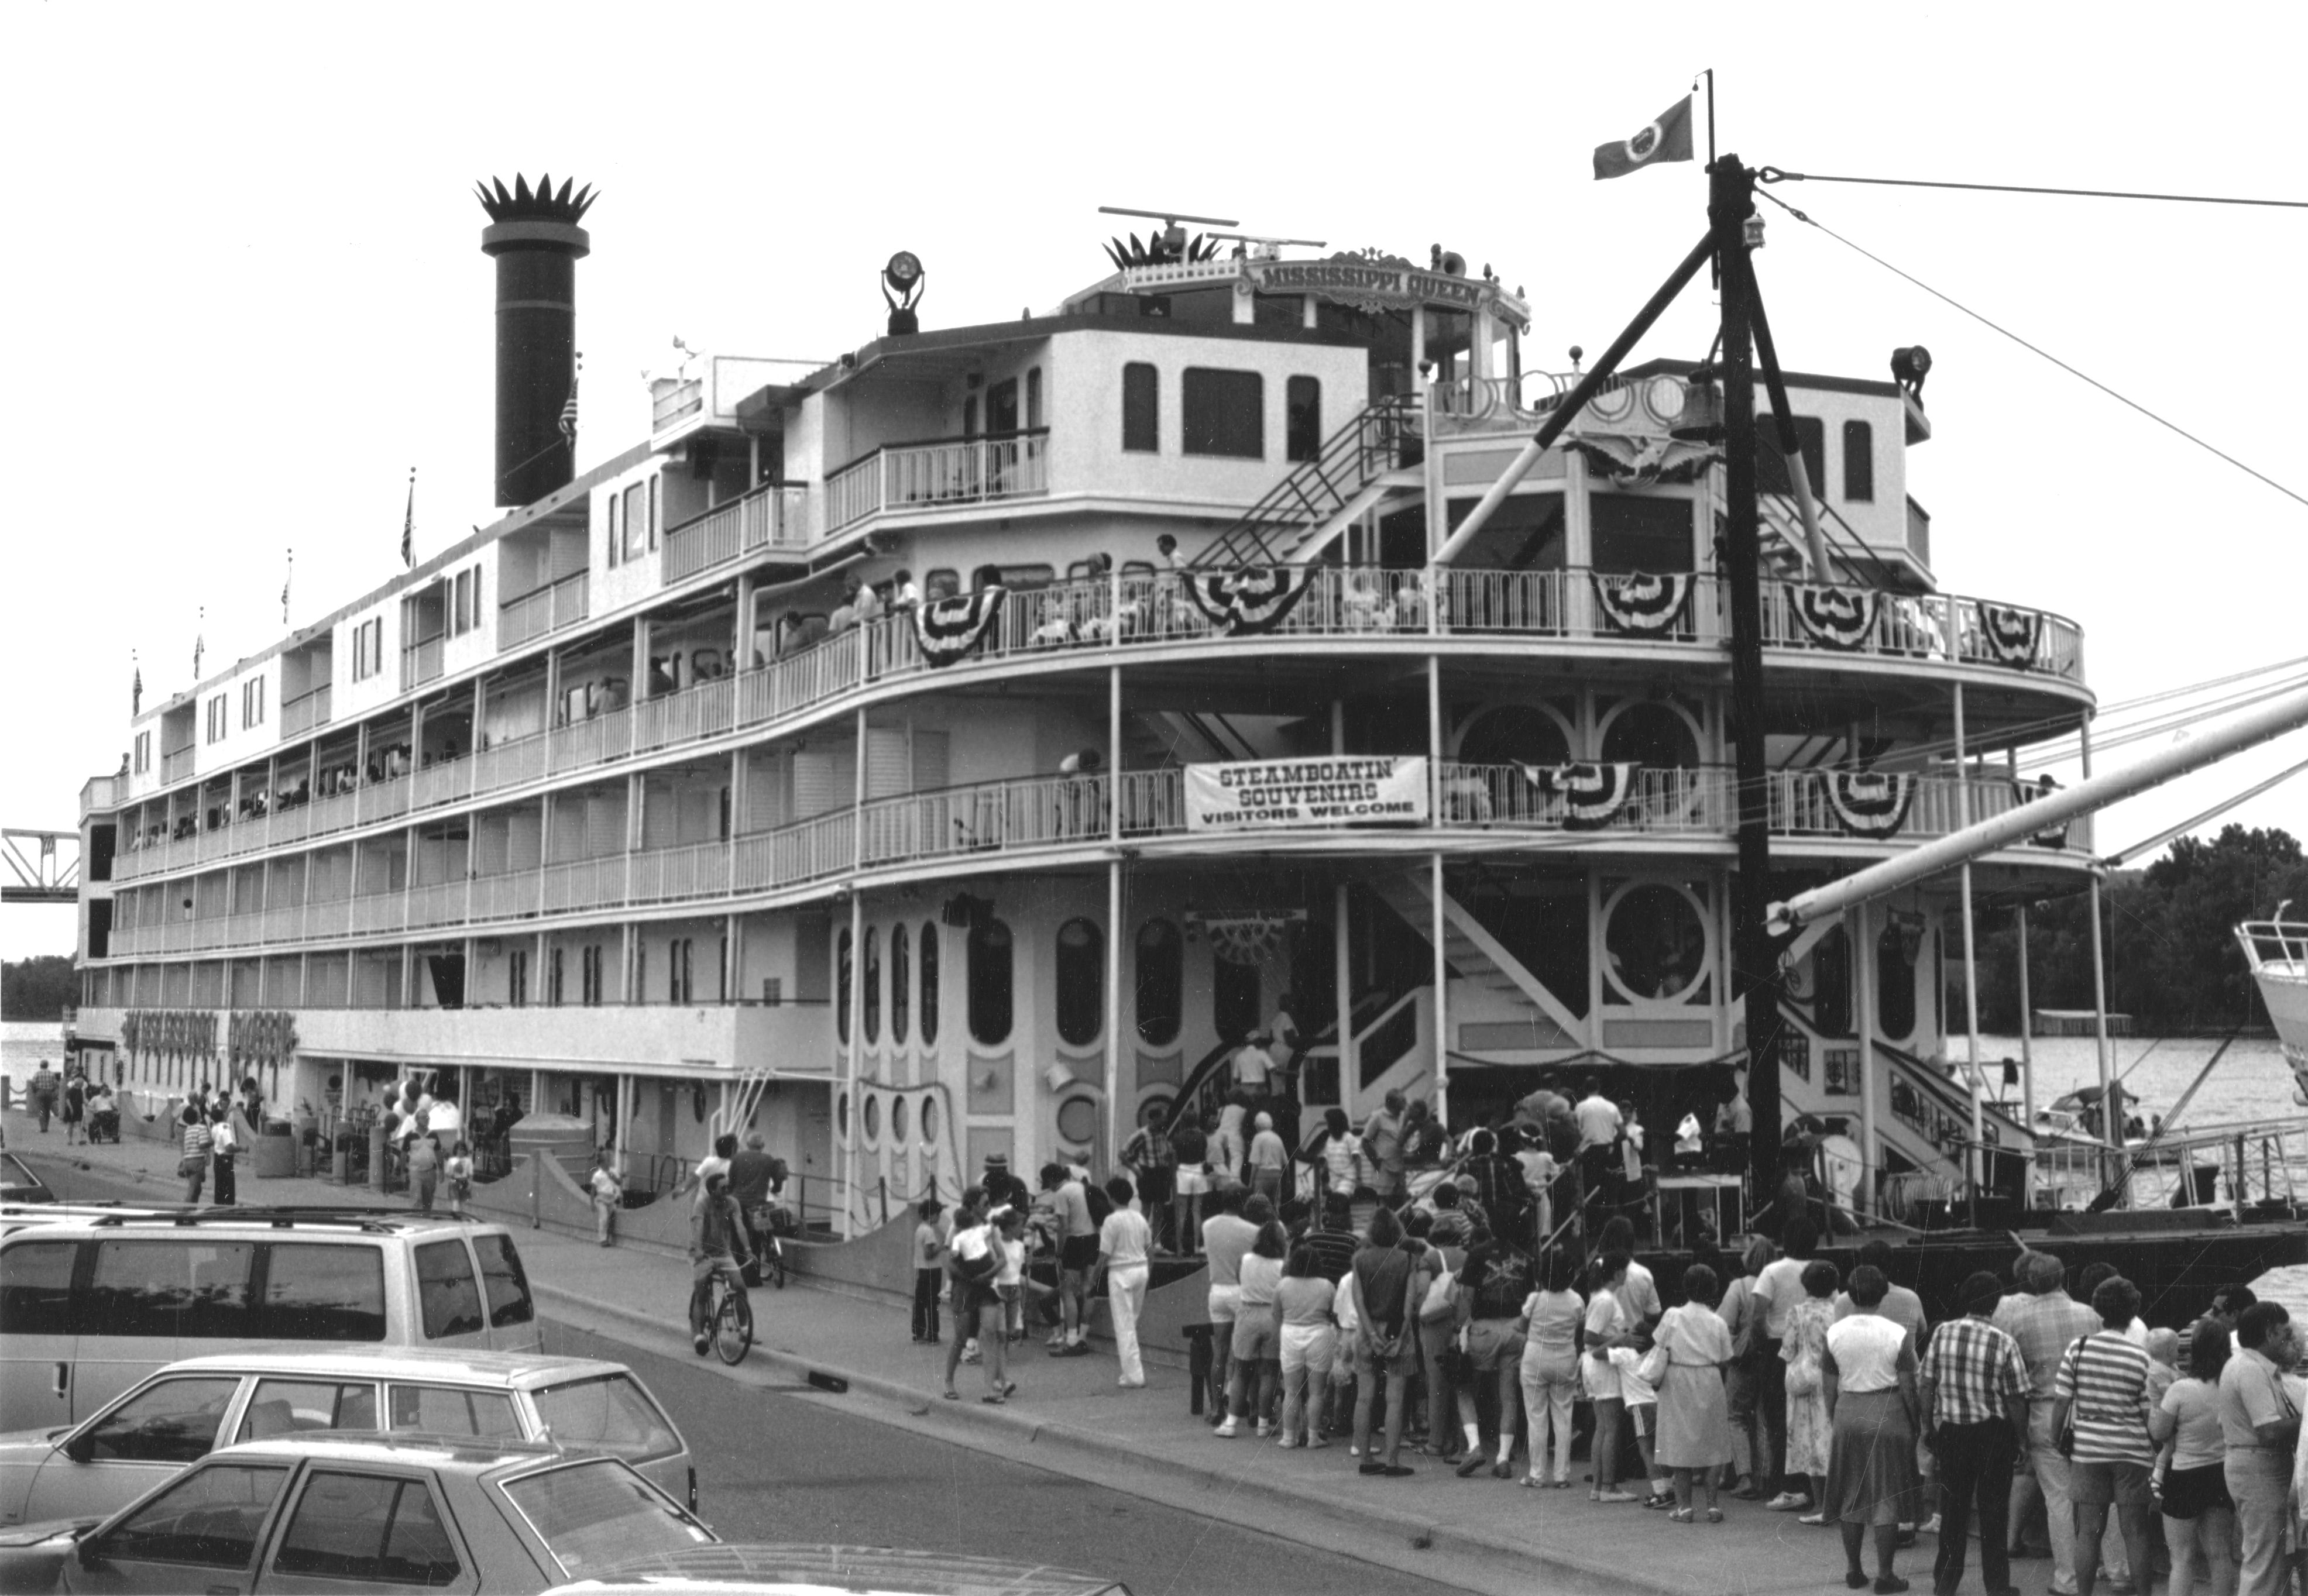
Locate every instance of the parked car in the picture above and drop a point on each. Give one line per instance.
(91, 1305)
(180, 1415)
(18, 1184)
(740, 1570)
(374, 1513)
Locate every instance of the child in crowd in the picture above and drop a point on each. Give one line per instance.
(459, 1173)
(1642, 1417)
(929, 1270)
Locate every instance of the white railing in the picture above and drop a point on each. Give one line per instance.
(328, 917)
(509, 764)
(437, 903)
(285, 923)
(900, 479)
(304, 711)
(699, 869)
(444, 781)
(507, 897)
(704, 710)
(585, 883)
(385, 800)
(420, 662)
(543, 609)
(331, 813)
(592, 741)
(772, 516)
(806, 851)
(1663, 800)
(676, 402)
(177, 766)
(377, 912)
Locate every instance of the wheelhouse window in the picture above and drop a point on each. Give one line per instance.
(1224, 413)
(1082, 983)
(1858, 462)
(1034, 398)
(1771, 464)
(990, 986)
(929, 984)
(1141, 390)
(1635, 532)
(1161, 982)
(1302, 418)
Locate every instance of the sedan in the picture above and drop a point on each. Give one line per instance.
(18, 1184)
(374, 1513)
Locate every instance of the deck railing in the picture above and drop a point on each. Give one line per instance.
(774, 515)
(307, 710)
(175, 765)
(915, 476)
(420, 661)
(704, 710)
(542, 610)
(592, 741)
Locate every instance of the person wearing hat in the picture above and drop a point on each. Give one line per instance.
(1002, 1187)
(1254, 1066)
(1269, 1158)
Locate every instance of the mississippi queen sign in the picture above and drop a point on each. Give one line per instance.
(1276, 794)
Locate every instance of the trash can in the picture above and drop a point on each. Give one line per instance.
(276, 1152)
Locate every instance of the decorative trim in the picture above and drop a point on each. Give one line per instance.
(2011, 635)
(1249, 601)
(1642, 603)
(950, 628)
(1841, 618)
(1592, 794)
(1868, 803)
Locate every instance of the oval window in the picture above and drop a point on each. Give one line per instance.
(1161, 982)
(872, 976)
(841, 987)
(1078, 1120)
(930, 1120)
(929, 985)
(869, 1111)
(1655, 945)
(989, 978)
(1082, 983)
(1515, 734)
(1895, 982)
(897, 1119)
(841, 1116)
(900, 983)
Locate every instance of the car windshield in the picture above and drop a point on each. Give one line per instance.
(12, 1174)
(610, 1411)
(594, 1516)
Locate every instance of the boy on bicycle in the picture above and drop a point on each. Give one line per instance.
(717, 1246)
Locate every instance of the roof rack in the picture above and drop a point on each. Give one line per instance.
(374, 1222)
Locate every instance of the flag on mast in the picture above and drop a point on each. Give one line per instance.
(284, 586)
(136, 687)
(569, 409)
(408, 523)
(200, 642)
(1666, 137)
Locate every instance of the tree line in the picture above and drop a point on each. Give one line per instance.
(38, 989)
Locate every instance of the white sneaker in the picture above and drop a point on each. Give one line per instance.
(1261, 1430)
(1226, 1431)
(1787, 1501)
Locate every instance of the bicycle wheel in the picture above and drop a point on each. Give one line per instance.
(733, 1327)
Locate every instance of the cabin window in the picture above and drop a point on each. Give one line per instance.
(652, 513)
(217, 724)
(1302, 419)
(1233, 998)
(1082, 983)
(1223, 413)
(990, 992)
(872, 976)
(143, 753)
(1771, 464)
(1161, 982)
(589, 974)
(1633, 533)
(636, 520)
(252, 703)
(900, 978)
(969, 416)
(1034, 398)
(680, 974)
(1142, 427)
(555, 973)
(929, 984)
(1895, 985)
(517, 979)
(1831, 965)
(841, 987)
(368, 648)
(616, 521)
(1858, 462)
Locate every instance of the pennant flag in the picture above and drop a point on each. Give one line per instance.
(284, 586)
(1641, 604)
(1665, 138)
(1837, 617)
(200, 642)
(1246, 602)
(1869, 804)
(950, 628)
(136, 692)
(1592, 794)
(2010, 634)
(569, 415)
(408, 523)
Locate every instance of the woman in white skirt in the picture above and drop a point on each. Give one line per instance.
(1694, 1417)
(1606, 1328)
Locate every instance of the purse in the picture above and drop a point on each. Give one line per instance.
(1803, 1374)
(2063, 1440)
(1653, 1368)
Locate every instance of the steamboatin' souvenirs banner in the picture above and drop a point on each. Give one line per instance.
(1253, 795)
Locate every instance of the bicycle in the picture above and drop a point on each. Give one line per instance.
(730, 1319)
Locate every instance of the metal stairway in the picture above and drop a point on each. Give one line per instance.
(1357, 466)
(1472, 953)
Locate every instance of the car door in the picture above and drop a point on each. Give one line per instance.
(287, 1405)
(200, 1534)
(504, 1284)
(148, 1436)
(358, 1528)
(147, 1298)
(36, 1341)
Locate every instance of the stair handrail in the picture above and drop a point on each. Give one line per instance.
(1376, 430)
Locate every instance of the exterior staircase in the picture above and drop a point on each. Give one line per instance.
(1371, 457)
(1471, 953)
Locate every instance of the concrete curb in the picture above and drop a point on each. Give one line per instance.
(1281, 1493)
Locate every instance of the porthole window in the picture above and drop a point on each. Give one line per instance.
(1082, 983)
(841, 987)
(873, 979)
(897, 1120)
(1655, 944)
(929, 987)
(1161, 982)
(870, 1112)
(990, 989)
(1078, 1120)
(900, 983)
(930, 1120)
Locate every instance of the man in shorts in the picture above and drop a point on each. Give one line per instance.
(717, 1246)
(1227, 1237)
(1077, 1257)
(1383, 1147)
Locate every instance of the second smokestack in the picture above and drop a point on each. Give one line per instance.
(534, 238)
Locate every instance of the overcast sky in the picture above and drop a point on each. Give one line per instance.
(245, 294)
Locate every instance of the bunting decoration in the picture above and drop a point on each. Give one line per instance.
(948, 629)
(1592, 794)
(1841, 618)
(2010, 634)
(1248, 602)
(1641, 604)
(1869, 803)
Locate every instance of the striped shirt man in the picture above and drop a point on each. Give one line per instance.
(2107, 1379)
(1970, 1369)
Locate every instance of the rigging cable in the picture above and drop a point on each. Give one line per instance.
(1775, 174)
(2033, 348)
(2114, 860)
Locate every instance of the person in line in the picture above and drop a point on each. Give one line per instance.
(1227, 1236)
(75, 1101)
(2046, 1321)
(1229, 1143)
(969, 1262)
(720, 1161)
(1493, 1285)
(1901, 1306)
(1254, 1066)
(1642, 1399)
(1551, 1316)
(1152, 1161)
(1383, 1147)
(224, 1145)
(1607, 1330)
(608, 1193)
(1742, 1314)
(1126, 1245)
(1012, 1285)
(2199, 1517)
(1268, 1158)
(2260, 1425)
(457, 1176)
(1332, 1237)
(1694, 1435)
(1190, 1146)
(43, 1089)
(1257, 1334)
(1972, 1391)
(1777, 1290)
(192, 1167)
(1304, 1304)
(1384, 1349)
(717, 1247)
(2100, 1397)
(1424, 1143)
(1600, 1123)
(929, 1270)
(1336, 1152)
(424, 1158)
(1802, 1351)
(1076, 1256)
(1868, 1373)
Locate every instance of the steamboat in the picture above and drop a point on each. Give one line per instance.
(955, 750)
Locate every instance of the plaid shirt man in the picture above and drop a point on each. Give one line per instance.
(1972, 1368)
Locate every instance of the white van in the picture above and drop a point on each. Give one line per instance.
(91, 1306)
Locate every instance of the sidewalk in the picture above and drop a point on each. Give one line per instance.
(1075, 1406)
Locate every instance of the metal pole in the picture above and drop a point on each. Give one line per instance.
(1858, 929)
(1437, 920)
(2111, 1121)
(1342, 967)
(1790, 444)
(2026, 1030)
(1114, 931)
(852, 1058)
(1977, 1160)
(1754, 969)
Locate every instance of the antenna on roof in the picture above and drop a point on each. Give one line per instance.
(1170, 244)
